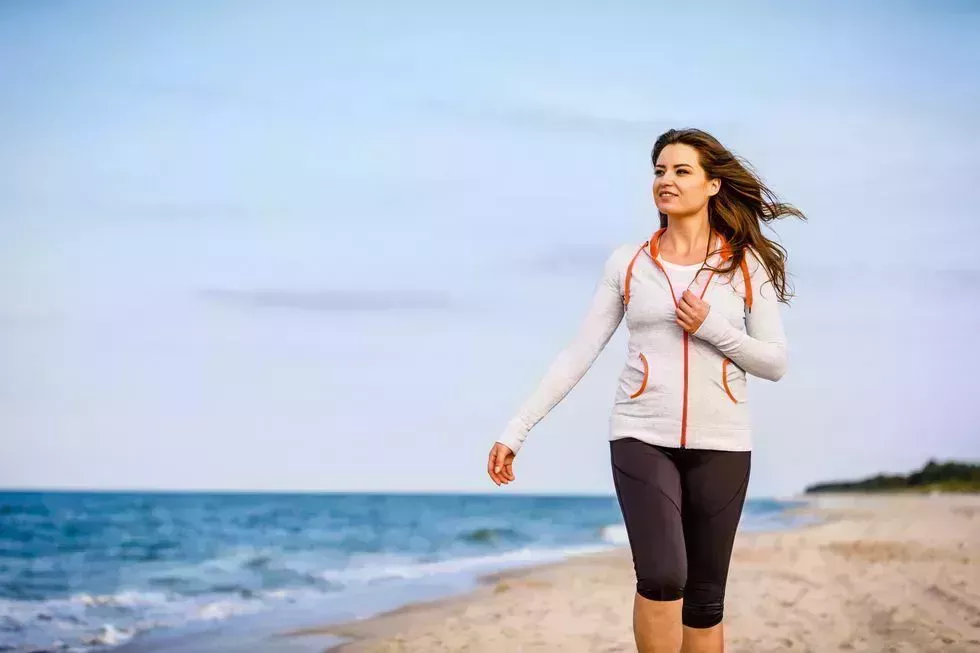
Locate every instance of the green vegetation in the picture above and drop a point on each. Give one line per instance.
(944, 477)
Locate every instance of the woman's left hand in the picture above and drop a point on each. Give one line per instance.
(691, 311)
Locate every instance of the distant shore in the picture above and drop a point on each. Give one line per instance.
(949, 476)
(879, 572)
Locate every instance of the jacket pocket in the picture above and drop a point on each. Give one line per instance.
(646, 377)
(732, 379)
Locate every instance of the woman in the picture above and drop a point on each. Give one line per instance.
(701, 304)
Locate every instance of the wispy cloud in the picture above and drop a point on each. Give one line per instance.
(343, 301)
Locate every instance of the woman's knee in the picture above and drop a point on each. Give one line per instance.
(704, 605)
(661, 585)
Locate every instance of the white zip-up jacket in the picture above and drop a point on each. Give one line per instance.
(676, 389)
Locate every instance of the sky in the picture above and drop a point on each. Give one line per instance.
(334, 246)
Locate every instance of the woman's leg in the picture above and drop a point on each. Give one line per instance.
(714, 485)
(648, 488)
(657, 625)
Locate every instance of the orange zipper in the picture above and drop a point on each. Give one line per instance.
(653, 242)
(684, 414)
(684, 411)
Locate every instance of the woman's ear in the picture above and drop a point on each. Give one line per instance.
(713, 187)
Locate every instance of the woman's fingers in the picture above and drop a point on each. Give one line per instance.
(491, 464)
(694, 305)
(503, 468)
(498, 466)
(509, 470)
(685, 316)
(499, 469)
(692, 300)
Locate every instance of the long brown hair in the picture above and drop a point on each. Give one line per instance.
(739, 208)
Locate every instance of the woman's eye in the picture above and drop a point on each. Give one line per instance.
(682, 172)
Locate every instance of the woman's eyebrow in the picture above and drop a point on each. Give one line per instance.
(676, 165)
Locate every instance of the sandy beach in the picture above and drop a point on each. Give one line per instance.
(878, 573)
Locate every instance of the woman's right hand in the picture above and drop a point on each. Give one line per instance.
(500, 466)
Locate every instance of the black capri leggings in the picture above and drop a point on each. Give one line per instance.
(681, 508)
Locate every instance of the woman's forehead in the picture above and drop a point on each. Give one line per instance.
(677, 154)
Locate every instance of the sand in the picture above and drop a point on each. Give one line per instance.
(878, 573)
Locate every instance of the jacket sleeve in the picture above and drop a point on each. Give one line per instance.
(760, 349)
(602, 319)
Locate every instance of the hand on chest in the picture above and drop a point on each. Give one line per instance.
(652, 288)
(654, 292)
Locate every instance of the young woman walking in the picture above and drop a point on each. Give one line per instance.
(700, 298)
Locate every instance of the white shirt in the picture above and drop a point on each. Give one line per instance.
(681, 276)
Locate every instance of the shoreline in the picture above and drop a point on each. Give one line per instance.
(874, 572)
(356, 631)
(489, 584)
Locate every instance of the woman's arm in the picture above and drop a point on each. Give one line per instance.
(761, 349)
(604, 315)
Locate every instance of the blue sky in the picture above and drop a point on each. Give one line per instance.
(335, 245)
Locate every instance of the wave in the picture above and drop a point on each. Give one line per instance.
(97, 620)
(491, 535)
(385, 568)
(614, 534)
(110, 619)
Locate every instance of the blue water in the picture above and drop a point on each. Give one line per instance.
(88, 571)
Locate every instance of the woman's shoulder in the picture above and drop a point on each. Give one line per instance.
(618, 259)
(627, 251)
(757, 267)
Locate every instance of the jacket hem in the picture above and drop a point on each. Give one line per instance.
(716, 439)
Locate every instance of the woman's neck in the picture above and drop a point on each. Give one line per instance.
(686, 240)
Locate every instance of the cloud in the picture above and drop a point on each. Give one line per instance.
(547, 117)
(332, 300)
(569, 120)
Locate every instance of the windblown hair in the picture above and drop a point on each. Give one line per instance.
(739, 208)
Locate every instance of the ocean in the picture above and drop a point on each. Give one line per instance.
(90, 571)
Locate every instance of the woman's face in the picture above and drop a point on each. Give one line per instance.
(680, 185)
